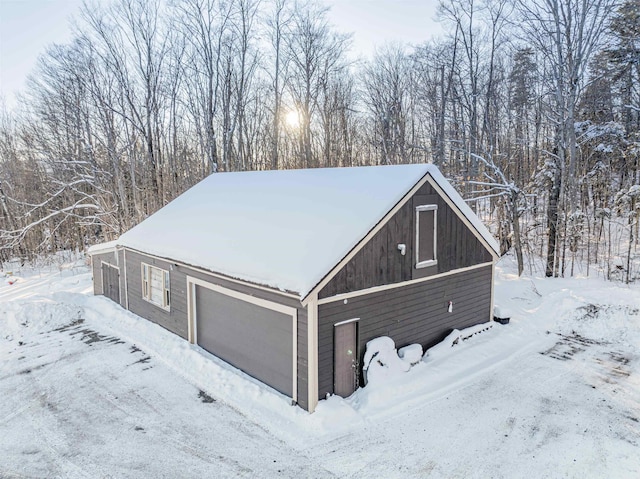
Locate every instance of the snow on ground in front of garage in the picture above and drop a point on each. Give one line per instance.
(90, 390)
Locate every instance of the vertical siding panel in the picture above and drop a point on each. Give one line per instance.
(340, 281)
(389, 239)
(457, 247)
(381, 257)
(359, 270)
(407, 226)
(372, 256)
(368, 264)
(393, 263)
(466, 245)
(444, 247)
(174, 320)
(350, 273)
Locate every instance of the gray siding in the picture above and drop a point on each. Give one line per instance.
(176, 320)
(379, 262)
(96, 269)
(123, 285)
(415, 313)
(111, 282)
(96, 274)
(303, 365)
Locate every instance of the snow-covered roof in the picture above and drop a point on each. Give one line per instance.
(285, 229)
(102, 247)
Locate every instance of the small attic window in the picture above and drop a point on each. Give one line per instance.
(155, 286)
(426, 235)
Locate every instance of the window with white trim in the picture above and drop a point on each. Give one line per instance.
(426, 235)
(155, 286)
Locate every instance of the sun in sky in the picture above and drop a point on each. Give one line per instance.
(292, 119)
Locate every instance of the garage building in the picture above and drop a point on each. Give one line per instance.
(287, 274)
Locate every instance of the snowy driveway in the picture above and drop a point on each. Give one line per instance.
(534, 416)
(88, 390)
(77, 402)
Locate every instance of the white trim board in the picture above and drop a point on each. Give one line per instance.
(346, 321)
(109, 264)
(431, 262)
(126, 288)
(102, 248)
(384, 287)
(162, 306)
(192, 318)
(312, 353)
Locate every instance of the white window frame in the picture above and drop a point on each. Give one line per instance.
(146, 286)
(433, 261)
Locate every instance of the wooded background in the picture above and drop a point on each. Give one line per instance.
(532, 107)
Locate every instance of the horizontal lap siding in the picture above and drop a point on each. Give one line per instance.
(176, 320)
(416, 313)
(379, 262)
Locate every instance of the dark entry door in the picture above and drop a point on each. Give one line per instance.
(345, 363)
(111, 282)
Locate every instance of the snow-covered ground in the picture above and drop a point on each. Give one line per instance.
(90, 390)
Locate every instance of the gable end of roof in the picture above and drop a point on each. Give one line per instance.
(453, 199)
(360, 244)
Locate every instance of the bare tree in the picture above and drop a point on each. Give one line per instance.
(315, 52)
(434, 68)
(566, 33)
(277, 24)
(386, 82)
(205, 24)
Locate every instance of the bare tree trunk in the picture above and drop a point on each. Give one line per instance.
(552, 223)
(517, 240)
(277, 24)
(632, 214)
